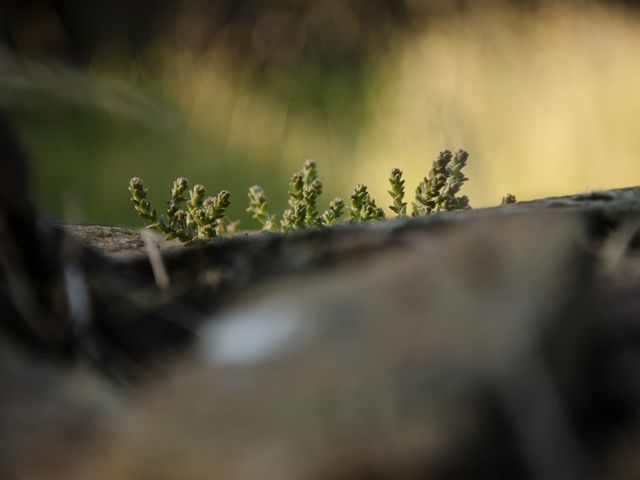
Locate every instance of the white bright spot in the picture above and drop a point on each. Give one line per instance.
(250, 335)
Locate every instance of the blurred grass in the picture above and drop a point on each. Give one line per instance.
(546, 101)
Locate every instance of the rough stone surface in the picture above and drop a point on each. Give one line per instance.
(108, 240)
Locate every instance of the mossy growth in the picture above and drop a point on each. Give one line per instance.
(192, 216)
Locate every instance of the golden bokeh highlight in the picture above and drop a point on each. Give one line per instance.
(546, 103)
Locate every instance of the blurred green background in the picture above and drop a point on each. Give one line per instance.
(544, 95)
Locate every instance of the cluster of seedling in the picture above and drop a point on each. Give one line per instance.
(191, 215)
(303, 212)
(202, 218)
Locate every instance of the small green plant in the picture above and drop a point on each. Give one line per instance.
(304, 190)
(259, 209)
(332, 214)
(438, 191)
(397, 193)
(363, 207)
(202, 218)
(196, 218)
(508, 199)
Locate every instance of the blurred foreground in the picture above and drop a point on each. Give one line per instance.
(544, 98)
